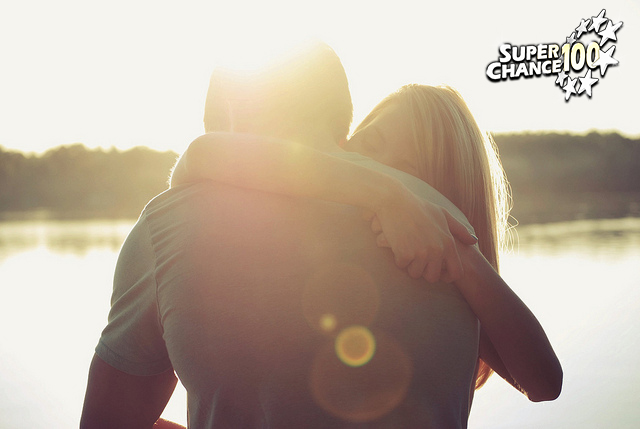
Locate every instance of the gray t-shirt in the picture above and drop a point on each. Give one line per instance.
(277, 312)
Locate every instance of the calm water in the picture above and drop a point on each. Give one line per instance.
(580, 278)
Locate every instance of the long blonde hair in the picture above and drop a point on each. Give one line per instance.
(460, 161)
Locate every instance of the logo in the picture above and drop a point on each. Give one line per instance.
(579, 64)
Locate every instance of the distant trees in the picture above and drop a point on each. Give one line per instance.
(554, 162)
(553, 177)
(76, 181)
(558, 176)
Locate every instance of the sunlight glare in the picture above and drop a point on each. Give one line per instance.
(253, 53)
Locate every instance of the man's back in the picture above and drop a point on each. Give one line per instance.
(278, 312)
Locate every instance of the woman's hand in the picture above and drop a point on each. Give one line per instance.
(421, 236)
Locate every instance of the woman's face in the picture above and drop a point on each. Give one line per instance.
(387, 139)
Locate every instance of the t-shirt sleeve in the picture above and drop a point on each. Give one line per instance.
(132, 340)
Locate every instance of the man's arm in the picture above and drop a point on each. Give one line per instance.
(115, 399)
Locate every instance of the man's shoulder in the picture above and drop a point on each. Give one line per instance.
(186, 198)
(175, 195)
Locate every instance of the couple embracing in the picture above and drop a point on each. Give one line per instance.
(292, 278)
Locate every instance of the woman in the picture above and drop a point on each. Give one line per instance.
(430, 133)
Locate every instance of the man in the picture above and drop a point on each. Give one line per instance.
(273, 311)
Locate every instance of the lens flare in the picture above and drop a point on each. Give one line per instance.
(328, 323)
(360, 393)
(355, 346)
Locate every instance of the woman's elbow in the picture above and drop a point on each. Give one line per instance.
(551, 387)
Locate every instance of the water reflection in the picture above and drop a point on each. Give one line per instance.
(78, 237)
(581, 280)
(62, 236)
(613, 236)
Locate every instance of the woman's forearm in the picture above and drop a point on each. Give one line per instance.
(166, 424)
(514, 331)
(283, 167)
(418, 232)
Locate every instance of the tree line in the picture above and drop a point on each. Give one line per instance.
(76, 181)
(553, 176)
(556, 176)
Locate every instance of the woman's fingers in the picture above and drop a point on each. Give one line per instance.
(403, 259)
(417, 267)
(422, 237)
(434, 268)
(376, 226)
(381, 241)
(458, 230)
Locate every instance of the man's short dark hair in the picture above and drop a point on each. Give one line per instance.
(309, 86)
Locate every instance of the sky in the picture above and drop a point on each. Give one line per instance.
(130, 73)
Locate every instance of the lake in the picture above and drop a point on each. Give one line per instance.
(581, 278)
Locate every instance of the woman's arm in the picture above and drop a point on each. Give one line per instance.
(513, 342)
(166, 424)
(282, 167)
(419, 233)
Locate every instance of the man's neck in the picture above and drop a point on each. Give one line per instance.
(321, 140)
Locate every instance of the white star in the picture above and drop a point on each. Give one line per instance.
(609, 32)
(597, 21)
(562, 76)
(586, 82)
(582, 28)
(571, 39)
(569, 88)
(606, 60)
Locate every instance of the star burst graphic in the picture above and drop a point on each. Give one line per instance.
(606, 29)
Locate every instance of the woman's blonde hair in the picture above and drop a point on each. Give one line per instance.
(460, 161)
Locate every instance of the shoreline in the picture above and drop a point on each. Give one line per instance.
(528, 209)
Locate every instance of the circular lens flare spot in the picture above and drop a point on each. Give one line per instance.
(328, 322)
(364, 393)
(355, 346)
